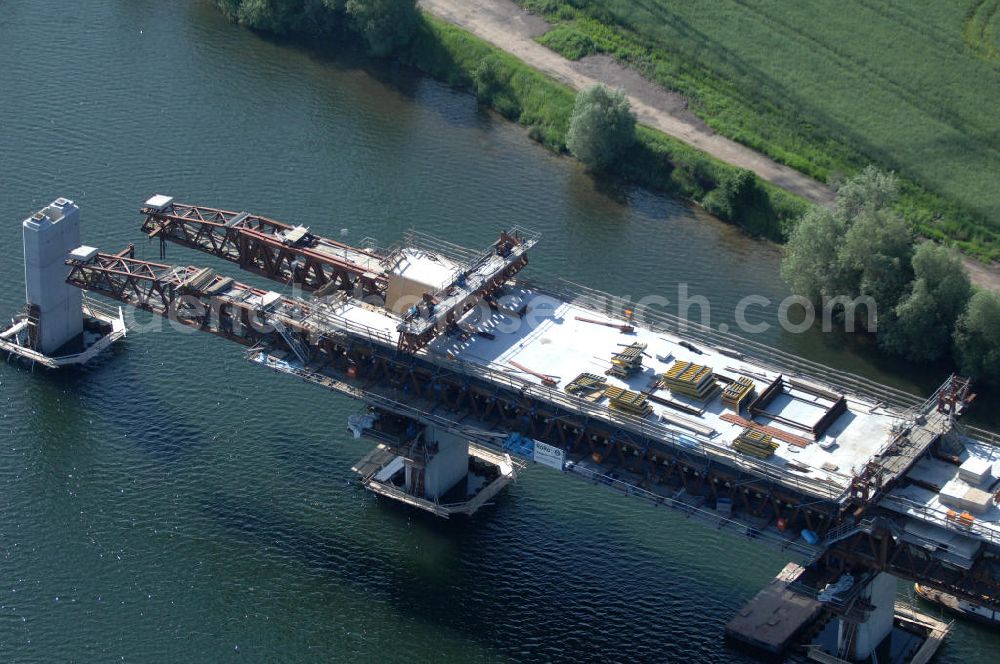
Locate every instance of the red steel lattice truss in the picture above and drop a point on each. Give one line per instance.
(267, 247)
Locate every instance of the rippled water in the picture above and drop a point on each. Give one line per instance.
(173, 503)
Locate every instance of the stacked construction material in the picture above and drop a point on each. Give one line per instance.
(965, 492)
(755, 443)
(627, 361)
(737, 392)
(960, 495)
(586, 384)
(628, 401)
(976, 470)
(693, 380)
(198, 281)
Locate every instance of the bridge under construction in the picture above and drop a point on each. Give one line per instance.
(466, 371)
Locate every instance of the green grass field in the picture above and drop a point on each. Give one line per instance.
(828, 86)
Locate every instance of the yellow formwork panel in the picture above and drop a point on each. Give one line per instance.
(737, 391)
(687, 373)
(628, 401)
(755, 443)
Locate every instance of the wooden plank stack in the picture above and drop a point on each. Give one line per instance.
(688, 378)
(627, 361)
(630, 402)
(737, 392)
(755, 443)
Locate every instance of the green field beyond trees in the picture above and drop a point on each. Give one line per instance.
(828, 86)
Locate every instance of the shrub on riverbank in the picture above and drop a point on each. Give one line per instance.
(602, 127)
(922, 323)
(860, 248)
(568, 43)
(977, 336)
(282, 17)
(385, 26)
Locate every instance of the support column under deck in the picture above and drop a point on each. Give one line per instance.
(445, 464)
(859, 639)
(437, 470)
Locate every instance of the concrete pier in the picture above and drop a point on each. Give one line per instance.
(787, 622)
(59, 325)
(859, 639)
(49, 236)
(445, 465)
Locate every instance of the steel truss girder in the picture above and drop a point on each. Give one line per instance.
(256, 244)
(883, 551)
(161, 289)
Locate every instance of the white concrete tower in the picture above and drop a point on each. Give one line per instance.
(443, 469)
(861, 639)
(49, 235)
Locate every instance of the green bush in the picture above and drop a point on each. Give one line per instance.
(860, 248)
(921, 328)
(977, 337)
(386, 25)
(602, 126)
(492, 84)
(811, 265)
(280, 17)
(568, 42)
(877, 251)
(741, 199)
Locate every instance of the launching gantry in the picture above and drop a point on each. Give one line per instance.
(287, 254)
(463, 369)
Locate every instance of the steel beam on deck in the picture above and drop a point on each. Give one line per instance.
(263, 246)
